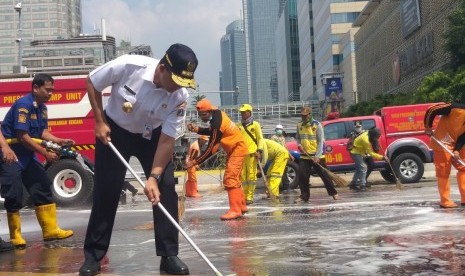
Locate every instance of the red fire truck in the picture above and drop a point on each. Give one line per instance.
(403, 140)
(70, 116)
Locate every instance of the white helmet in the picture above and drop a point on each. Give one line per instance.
(279, 127)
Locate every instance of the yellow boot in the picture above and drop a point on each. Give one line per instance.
(14, 224)
(47, 217)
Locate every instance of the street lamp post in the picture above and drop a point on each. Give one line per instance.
(18, 8)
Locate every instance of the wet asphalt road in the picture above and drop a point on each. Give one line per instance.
(379, 232)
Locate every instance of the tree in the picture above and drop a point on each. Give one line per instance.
(455, 35)
(197, 98)
(434, 88)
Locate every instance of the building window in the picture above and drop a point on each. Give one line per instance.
(348, 17)
(52, 62)
(337, 59)
(72, 61)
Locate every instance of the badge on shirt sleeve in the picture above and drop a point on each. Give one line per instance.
(181, 109)
(147, 134)
(22, 118)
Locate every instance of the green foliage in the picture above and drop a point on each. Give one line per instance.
(455, 35)
(434, 88)
(197, 98)
(369, 107)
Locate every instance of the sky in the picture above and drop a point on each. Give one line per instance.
(200, 24)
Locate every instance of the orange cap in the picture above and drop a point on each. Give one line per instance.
(205, 105)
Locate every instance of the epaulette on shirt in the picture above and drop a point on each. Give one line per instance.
(138, 60)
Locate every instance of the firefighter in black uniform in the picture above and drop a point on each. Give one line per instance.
(27, 119)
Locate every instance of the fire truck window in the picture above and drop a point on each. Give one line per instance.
(335, 131)
(368, 124)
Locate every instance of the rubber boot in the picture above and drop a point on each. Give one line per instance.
(235, 199)
(14, 224)
(246, 190)
(244, 208)
(444, 193)
(251, 191)
(274, 183)
(461, 184)
(191, 189)
(47, 217)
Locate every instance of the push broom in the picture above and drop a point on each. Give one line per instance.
(460, 161)
(267, 185)
(167, 214)
(339, 181)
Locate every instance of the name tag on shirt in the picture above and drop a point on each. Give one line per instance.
(147, 134)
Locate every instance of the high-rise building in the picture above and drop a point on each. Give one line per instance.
(306, 50)
(287, 54)
(399, 43)
(260, 21)
(233, 65)
(21, 23)
(331, 44)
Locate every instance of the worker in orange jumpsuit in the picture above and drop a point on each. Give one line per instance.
(253, 137)
(222, 131)
(450, 132)
(194, 151)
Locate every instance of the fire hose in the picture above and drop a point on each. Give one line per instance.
(50, 146)
(66, 151)
(167, 214)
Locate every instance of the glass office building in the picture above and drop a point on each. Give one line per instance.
(233, 65)
(40, 20)
(260, 21)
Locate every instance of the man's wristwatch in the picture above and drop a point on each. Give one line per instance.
(156, 176)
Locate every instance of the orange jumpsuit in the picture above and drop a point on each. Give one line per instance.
(451, 132)
(224, 132)
(191, 183)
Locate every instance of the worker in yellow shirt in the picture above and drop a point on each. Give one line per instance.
(253, 136)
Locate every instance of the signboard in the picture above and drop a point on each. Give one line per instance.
(333, 96)
(410, 16)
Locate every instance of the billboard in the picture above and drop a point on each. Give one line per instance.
(333, 97)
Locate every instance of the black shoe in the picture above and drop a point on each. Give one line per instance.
(173, 265)
(90, 268)
(5, 246)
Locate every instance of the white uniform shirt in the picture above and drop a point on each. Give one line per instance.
(131, 78)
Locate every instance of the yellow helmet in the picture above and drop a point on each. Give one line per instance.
(245, 107)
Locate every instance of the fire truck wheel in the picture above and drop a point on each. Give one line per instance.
(72, 185)
(408, 167)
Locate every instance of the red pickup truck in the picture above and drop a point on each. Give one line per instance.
(402, 139)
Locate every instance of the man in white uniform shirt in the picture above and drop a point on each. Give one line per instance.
(146, 107)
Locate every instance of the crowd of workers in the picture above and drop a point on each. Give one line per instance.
(145, 110)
